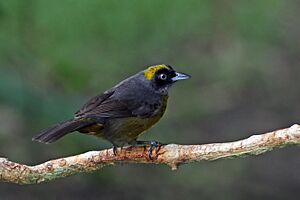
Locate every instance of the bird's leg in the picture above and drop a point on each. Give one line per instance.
(153, 144)
(115, 150)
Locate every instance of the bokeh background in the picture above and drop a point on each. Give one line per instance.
(244, 57)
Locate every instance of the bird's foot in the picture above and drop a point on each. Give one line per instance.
(115, 150)
(153, 145)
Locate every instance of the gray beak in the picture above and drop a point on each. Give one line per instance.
(180, 76)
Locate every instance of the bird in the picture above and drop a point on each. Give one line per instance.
(122, 113)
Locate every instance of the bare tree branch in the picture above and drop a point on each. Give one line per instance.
(171, 154)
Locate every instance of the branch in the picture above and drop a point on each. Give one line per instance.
(172, 155)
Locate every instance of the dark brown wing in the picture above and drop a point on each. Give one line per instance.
(110, 108)
(119, 103)
(103, 106)
(93, 103)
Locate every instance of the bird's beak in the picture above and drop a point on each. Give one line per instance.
(180, 76)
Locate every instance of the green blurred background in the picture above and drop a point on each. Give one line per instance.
(244, 57)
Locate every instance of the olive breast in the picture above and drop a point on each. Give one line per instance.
(121, 131)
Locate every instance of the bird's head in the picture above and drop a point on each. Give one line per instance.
(163, 76)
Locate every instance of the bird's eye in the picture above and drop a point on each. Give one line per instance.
(163, 77)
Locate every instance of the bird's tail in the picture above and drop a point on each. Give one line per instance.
(59, 130)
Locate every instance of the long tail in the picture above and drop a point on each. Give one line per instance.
(59, 130)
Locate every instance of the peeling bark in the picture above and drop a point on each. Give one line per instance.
(172, 155)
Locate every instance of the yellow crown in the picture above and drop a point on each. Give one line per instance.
(150, 71)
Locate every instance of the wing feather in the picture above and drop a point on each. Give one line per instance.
(103, 106)
(109, 105)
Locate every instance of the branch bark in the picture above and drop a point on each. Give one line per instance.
(172, 155)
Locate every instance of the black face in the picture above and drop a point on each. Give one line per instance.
(164, 77)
